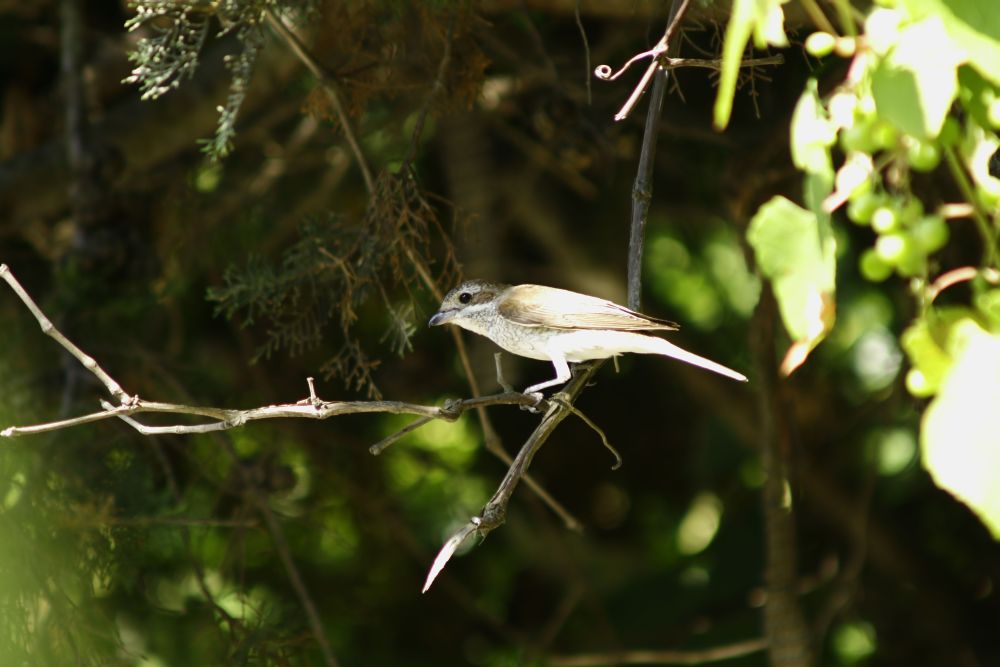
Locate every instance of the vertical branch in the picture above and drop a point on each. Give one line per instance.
(788, 638)
(642, 190)
(329, 85)
(284, 551)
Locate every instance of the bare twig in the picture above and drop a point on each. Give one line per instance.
(495, 511)
(225, 418)
(604, 73)
(654, 657)
(294, 576)
(49, 330)
(661, 58)
(330, 88)
(716, 63)
(594, 427)
(677, 10)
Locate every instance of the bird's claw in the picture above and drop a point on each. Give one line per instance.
(535, 396)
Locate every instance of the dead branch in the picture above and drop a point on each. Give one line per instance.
(657, 657)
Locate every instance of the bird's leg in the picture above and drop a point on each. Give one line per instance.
(562, 375)
(500, 379)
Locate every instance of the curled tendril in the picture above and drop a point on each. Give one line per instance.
(603, 72)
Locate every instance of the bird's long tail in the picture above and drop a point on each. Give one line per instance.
(668, 349)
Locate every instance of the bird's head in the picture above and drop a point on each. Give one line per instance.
(466, 300)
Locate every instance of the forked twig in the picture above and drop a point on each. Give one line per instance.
(597, 429)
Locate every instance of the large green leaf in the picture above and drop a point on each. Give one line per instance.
(796, 250)
(974, 27)
(916, 83)
(960, 439)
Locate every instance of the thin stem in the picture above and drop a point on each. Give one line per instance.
(962, 179)
(50, 330)
(642, 190)
(843, 8)
(818, 17)
(661, 657)
(291, 569)
(329, 85)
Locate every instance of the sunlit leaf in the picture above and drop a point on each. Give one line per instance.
(916, 83)
(974, 26)
(812, 134)
(764, 20)
(960, 441)
(796, 251)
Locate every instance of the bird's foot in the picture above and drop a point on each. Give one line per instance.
(535, 396)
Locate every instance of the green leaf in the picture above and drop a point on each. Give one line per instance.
(927, 355)
(764, 20)
(988, 303)
(960, 441)
(916, 83)
(974, 28)
(796, 250)
(812, 134)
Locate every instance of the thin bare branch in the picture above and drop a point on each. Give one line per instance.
(50, 330)
(653, 657)
(661, 59)
(594, 427)
(495, 511)
(330, 88)
(677, 10)
(716, 63)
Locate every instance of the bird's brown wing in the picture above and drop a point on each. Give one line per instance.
(539, 306)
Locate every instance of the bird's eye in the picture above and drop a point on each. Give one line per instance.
(464, 297)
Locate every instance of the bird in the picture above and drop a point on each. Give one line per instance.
(560, 326)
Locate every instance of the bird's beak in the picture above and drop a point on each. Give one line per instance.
(441, 317)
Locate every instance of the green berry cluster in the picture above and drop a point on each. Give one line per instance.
(906, 234)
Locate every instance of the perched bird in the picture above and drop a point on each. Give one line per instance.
(559, 326)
